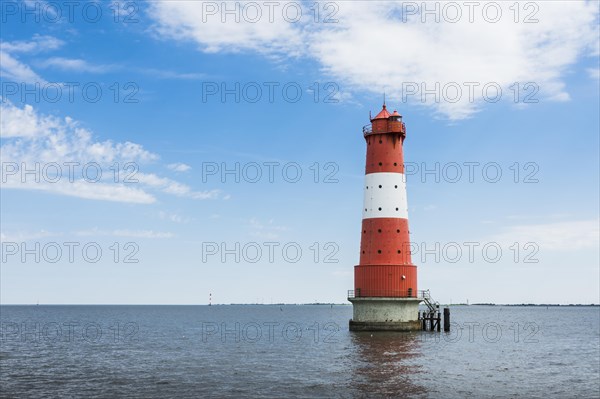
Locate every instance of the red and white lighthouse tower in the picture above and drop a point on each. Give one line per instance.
(385, 295)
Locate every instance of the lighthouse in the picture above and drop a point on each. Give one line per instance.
(385, 295)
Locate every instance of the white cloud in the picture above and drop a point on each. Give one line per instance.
(179, 167)
(372, 49)
(208, 194)
(173, 187)
(125, 233)
(559, 236)
(17, 72)
(82, 189)
(36, 45)
(141, 234)
(22, 236)
(21, 122)
(13, 69)
(268, 230)
(183, 20)
(48, 138)
(75, 65)
(343, 273)
(32, 140)
(172, 217)
(166, 74)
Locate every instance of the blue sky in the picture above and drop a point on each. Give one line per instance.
(168, 131)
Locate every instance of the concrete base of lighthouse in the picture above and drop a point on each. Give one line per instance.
(385, 314)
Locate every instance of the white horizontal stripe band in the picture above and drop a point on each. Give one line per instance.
(385, 196)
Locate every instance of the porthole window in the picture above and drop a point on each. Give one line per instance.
(379, 208)
(396, 186)
(380, 186)
(396, 209)
(380, 141)
(398, 251)
(380, 164)
(398, 231)
(395, 164)
(379, 231)
(379, 251)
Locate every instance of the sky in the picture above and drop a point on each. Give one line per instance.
(176, 152)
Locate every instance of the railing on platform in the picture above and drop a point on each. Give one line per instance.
(368, 129)
(388, 294)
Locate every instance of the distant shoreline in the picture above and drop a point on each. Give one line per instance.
(303, 304)
(522, 304)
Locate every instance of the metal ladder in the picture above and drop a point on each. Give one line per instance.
(432, 305)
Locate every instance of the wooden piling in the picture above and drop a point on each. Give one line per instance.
(446, 319)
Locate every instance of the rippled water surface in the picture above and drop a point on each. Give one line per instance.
(294, 351)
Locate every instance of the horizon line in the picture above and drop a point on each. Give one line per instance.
(282, 304)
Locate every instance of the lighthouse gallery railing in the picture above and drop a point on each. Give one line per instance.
(368, 129)
(388, 294)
